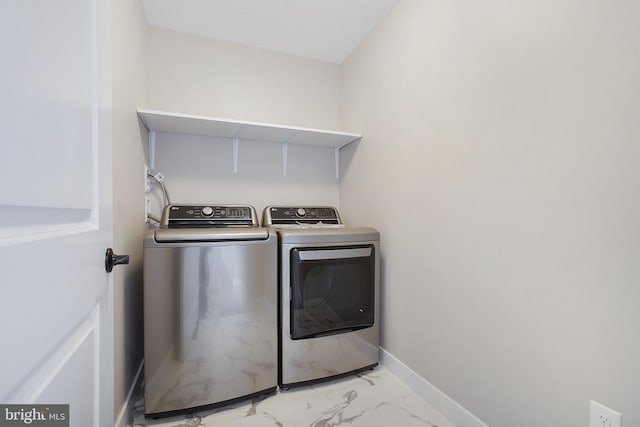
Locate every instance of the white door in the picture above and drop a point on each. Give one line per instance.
(55, 207)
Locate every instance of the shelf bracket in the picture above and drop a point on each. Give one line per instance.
(152, 149)
(336, 154)
(285, 148)
(236, 144)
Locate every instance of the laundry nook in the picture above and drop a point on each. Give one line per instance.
(320, 213)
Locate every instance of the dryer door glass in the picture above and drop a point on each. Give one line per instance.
(332, 290)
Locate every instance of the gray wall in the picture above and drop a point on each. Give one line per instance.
(197, 76)
(507, 135)
(129, 44)
(194, 75)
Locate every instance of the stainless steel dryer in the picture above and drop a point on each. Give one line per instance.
(329, 294)
(210, 308)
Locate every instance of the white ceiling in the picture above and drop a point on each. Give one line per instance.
(326, 30)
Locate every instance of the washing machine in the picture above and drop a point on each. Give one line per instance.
(329, 294)
(210, 308)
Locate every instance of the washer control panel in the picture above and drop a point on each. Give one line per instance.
(278, 215)
(208, 216)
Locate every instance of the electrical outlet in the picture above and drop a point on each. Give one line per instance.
(601, 416)
(147, 180)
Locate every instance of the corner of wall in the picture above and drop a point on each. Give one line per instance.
(448, 407)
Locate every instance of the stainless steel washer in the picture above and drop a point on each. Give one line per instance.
(210, 308)
(329, 294)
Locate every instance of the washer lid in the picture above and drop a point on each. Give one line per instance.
(169, 235)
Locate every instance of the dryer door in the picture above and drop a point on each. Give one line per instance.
(332, 290)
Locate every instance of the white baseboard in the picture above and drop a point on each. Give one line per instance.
(122, 420)
(448, 407)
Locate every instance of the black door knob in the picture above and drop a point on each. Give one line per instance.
(111, 259)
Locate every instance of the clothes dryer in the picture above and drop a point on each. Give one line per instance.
(329, 294)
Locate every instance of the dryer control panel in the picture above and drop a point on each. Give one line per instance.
(208, 216)
(291, 215)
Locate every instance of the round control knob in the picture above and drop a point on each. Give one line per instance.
(301, 212)
(207, 211)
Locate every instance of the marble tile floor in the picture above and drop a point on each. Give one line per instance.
(373, 398)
